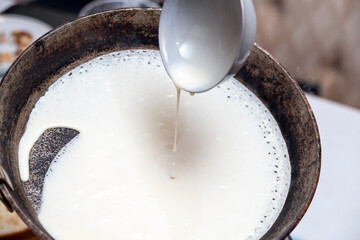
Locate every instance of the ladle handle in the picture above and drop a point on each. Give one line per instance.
(5, 183)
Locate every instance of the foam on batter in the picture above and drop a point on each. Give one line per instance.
(120, 178)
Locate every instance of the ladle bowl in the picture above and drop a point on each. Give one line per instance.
(74, 43)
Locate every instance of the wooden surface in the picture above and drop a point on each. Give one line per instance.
(28, 235)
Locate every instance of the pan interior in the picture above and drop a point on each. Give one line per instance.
(231, 103)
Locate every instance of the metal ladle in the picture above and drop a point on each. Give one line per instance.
(203, 42)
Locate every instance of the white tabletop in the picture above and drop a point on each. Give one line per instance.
(335, 211)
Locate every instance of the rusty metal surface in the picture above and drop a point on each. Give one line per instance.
(85, 38)
(265, 76)
(5, 181)
(4, 200)
(42, 154)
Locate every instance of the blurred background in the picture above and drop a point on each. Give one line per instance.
(317, 41)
